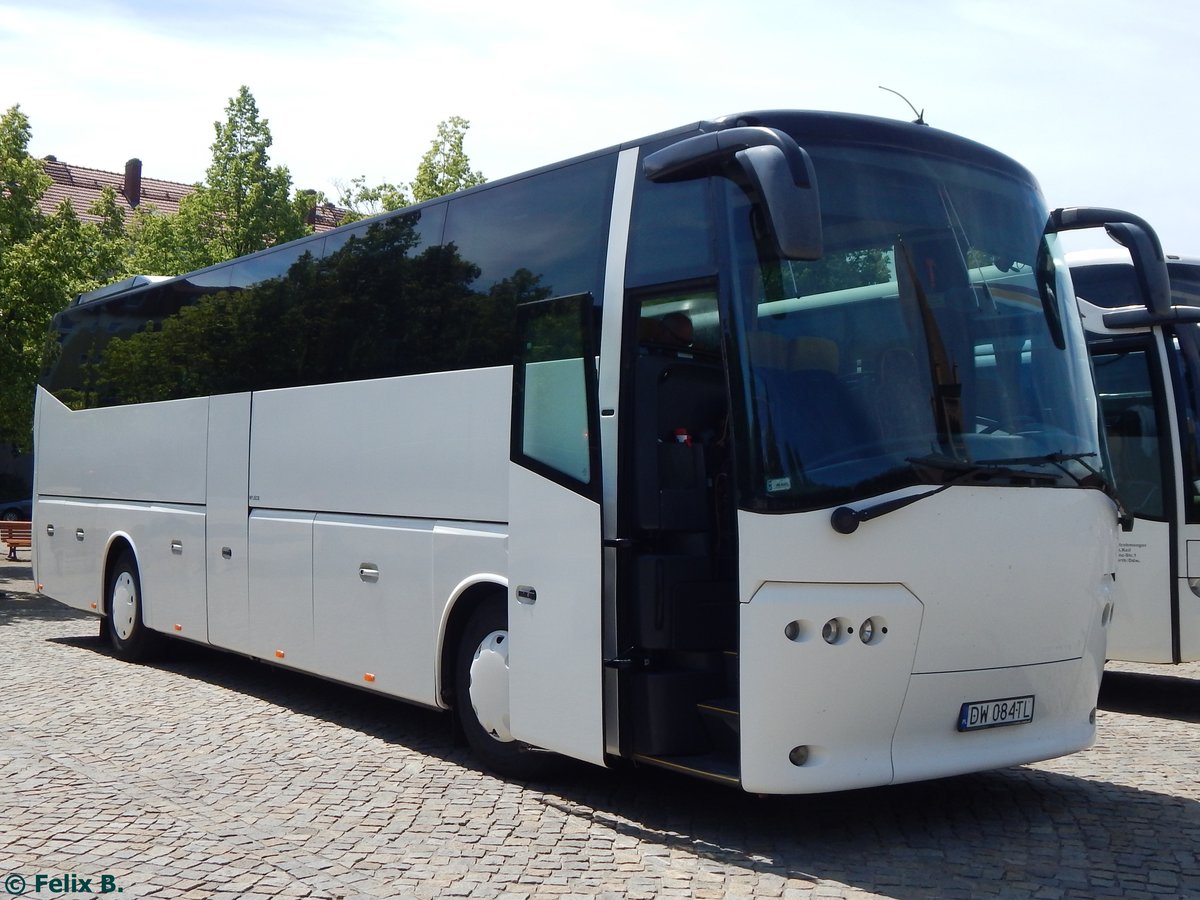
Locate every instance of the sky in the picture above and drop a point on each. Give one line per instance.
(1096, 97)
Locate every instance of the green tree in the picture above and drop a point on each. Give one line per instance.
(23, 181)
(362, 201)
(443, 169)
(244, 204)
(44, 261)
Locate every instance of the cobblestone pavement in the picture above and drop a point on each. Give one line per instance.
(207, 775)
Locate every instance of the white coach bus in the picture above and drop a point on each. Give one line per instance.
(715, 451)
(1147, 365)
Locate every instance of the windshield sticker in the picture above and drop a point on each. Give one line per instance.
(775, 485)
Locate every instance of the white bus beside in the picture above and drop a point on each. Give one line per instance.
(760, 449)
(1147, 364)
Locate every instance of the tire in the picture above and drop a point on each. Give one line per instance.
(127, 633)
(481, 697)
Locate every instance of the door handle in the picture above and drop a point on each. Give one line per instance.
(526, 594)
(368, 572)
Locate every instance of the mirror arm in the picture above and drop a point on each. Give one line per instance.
(1137, 236)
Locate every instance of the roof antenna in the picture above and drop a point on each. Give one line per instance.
(920, 119)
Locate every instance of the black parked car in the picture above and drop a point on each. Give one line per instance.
(16, 510)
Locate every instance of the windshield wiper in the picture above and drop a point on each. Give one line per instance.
(845, 520)
(1094, 478)
(983, 469)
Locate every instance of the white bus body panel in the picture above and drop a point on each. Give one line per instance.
(152, 452)
(281, 587)
(228, 551)
(437, 446)
(373, 615)
(66, 568)
(142, 466)
(980, 626)
(1189, 603)
(169, 545)
(555, 658)
(1141, 625)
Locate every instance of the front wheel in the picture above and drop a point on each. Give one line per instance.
(126, 631)
(481, 697)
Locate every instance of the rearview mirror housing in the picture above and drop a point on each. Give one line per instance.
(775, 168)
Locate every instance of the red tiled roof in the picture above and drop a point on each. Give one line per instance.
(82, 186)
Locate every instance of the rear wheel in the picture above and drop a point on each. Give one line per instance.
(126, 631)
(481, 697)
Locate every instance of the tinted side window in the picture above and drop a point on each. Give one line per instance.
(384, 298)
(544, 234)
(302, 314)
(76, 356)
(671, 236)
(1125, 381)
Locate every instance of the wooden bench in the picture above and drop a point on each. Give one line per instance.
(18, 536)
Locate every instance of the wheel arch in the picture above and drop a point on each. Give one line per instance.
(467, 597)
(119, 542)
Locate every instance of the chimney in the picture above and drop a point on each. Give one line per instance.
(133, 182)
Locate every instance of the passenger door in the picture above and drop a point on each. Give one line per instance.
(554, 603)
(1128, 371)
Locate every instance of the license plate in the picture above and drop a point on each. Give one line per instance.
(995, 713)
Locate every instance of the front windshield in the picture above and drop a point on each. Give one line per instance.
(918, 343)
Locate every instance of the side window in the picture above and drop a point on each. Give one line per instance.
(377, 288)
(670, 233)
(542, 236)
(554, 390)
(680, 319)
(1125, 381)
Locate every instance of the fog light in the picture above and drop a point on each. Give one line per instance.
(832, 631)
(866, 631)
(1194, 584)
(799, 755)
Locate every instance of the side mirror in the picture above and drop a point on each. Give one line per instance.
(776, 168)
(1137, 236)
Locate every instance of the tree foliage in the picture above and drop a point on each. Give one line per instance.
(44, 261)
(361, 200)
(22, 181)
(245, 204)
(444, 169)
